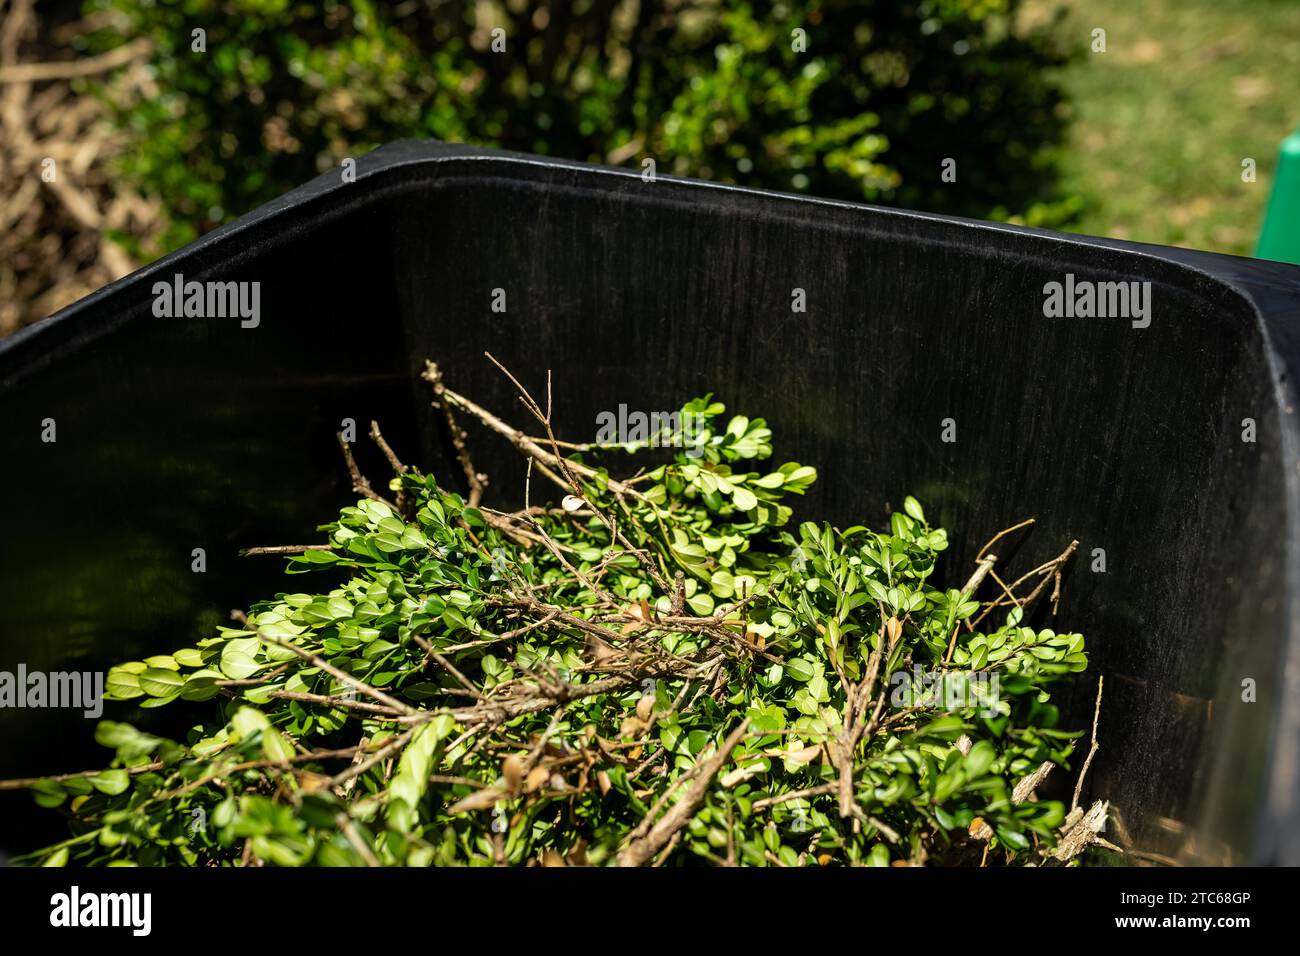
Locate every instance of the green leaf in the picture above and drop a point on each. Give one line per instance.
(947, 726)
(201, 685)
(802, 669)
(111, 782)
(413, 769)
(48, 793)
(979, 759)
(275, 746)
(129, 742)
(159, 682)
(122, 685)
(238, 661)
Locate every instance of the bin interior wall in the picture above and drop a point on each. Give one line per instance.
(175, 433)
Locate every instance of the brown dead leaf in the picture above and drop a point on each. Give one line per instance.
(480, 800)
(600, 651)
(536, 779)
(512, 768)
(894, 628)
(578, 855)
(312, 782)
(632, 726)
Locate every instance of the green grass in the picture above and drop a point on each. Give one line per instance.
(1162, 120)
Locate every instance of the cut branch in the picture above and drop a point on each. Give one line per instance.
(642, 850)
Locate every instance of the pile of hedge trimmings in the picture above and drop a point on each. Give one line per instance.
(657, 670)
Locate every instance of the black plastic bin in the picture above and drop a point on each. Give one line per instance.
(183, 433)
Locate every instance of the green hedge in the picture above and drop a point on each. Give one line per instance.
(883, 93)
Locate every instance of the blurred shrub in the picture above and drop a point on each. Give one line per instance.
(884, 91)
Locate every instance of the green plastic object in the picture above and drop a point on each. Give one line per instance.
(1279, 239)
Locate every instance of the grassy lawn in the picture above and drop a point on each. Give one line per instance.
(1162, 120)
